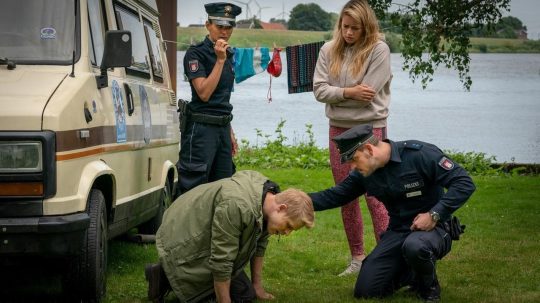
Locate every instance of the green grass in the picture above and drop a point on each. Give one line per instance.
(251, 37)
(269, 38)
(498, 45)
(497, 259)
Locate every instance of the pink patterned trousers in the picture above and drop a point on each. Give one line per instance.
(351, 213)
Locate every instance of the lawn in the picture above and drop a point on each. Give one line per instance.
(497, 259)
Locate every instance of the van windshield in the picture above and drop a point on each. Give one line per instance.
(38, 31)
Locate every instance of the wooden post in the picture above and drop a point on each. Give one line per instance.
(167, 22)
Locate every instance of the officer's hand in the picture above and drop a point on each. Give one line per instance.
(423, 222)
(220, 48)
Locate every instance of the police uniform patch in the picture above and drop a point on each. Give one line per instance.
(446, 163)
(193, 65)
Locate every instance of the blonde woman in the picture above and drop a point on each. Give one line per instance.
(352, 77)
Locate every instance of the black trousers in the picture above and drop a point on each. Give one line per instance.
(241, 291)
(401, 258)
(205, 154)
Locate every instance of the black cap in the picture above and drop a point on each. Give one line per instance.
(352, 139)
(222, 13)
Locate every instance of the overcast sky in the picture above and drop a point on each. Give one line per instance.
(192, 11)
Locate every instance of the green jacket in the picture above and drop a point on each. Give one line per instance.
(211, 232)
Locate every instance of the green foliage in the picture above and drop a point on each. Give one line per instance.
(276, 154)
(394, 42)
(437, 33)
(507, 27)
(483, 48)
(475, 163)
(309, 17)
(532, 45)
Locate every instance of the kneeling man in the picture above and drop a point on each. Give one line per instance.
(211, 232)
(409, 178)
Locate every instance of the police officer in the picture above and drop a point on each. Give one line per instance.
(409, 177)
(206, 145)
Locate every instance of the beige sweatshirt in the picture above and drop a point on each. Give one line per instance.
(376, 73)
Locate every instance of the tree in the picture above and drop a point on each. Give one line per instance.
(507, 27)
(437, 32)
(309, 17)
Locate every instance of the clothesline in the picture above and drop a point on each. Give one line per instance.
(301, 61)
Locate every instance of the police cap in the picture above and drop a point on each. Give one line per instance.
(352, 139)
(222, 13)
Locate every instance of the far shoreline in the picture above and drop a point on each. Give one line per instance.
(280, 38)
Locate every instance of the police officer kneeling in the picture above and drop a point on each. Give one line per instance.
(409, 177)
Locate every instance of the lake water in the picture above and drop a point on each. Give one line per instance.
(499, 116)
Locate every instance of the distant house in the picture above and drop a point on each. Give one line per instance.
(244, 25)
(196, 25)
(521, 34)
(273, 26)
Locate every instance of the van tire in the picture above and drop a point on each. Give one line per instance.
(85, 279)
(151, 227)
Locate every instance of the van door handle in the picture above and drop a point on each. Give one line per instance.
(129, 97)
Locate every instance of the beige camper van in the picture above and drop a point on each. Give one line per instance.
(88, 131)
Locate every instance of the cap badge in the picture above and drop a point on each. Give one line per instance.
(228, 10)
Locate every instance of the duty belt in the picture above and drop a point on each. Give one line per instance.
(210, 119)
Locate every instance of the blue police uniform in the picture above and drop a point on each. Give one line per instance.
(206, 147)
(412, 182)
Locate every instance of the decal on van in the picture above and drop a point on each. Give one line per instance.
(119, 113)
(146, 114)
(48, 33)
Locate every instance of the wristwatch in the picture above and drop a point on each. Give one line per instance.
(435, 216)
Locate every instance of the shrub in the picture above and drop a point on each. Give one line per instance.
(276, 154)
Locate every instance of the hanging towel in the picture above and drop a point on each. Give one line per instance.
(301, 61)
(249, 61)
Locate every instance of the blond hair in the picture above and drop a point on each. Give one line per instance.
(360, 12)
(299, 206)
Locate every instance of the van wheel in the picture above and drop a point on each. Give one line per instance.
(85, 278)
(151, 227)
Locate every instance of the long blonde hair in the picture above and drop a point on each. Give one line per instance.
(362, 13)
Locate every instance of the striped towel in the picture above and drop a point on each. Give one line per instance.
(301, 61)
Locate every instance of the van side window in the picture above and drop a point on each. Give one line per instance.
(155, 52)
(129, 20)
(96, 31)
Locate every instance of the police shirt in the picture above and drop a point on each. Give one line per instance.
(199, 62)
(412, 182)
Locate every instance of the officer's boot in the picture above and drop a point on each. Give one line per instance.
(429, 291)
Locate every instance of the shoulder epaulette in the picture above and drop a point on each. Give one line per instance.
(412, 145)
(197, 44)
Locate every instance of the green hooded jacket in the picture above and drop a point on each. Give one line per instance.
(211, 232)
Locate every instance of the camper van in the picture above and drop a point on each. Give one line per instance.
(88, 132)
